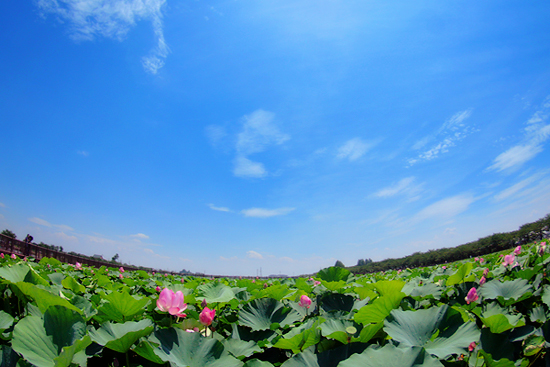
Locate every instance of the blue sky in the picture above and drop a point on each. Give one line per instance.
(228, 136)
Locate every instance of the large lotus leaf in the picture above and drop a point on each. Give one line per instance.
(334, 274)
(498, 319)
(34, 278)
(277, 292)
(391, 288)
(43, 298)
(120, 337)
(368, 332)
(260, 313)
(181, 348)
(546, 295)
(538, 314)
(56, 278)
(305, 359)
(338, 329)
(428, 289)
(147, 351)
(215, 293)
(121, 307)
(257, 363)
(246, 334)
(365, 292)
(379, 309)
(336, 286)
(512, 289)
(390, 355)
(416, 329)
(337, 302)
(60, 333)
(14, 274)
(301, 337)
(241, 348)
(6, 320)
(70, 283)
(461, 275)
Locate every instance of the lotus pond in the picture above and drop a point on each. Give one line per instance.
(491, 311)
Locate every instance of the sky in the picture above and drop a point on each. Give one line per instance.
(271, 137)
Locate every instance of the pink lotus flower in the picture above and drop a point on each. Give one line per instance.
(171, 302)
(485, 272)
(2, 255)
(120, 276)
(305, 301)
(443, 267)
(13, 256)
(194, 330)
(542, 248)
(472, 346)
(316, 283)
(472, 296)
(121, 269)
(203, 303)
(509, 259)
(78, 266)
(207, 316)
(476, 258)
(482, 281)
(157, 289)
(182, 280)
(517, 250)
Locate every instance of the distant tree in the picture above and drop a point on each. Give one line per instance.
(360, 262)
(7, 232)
(339, 264)
(184, 271)
(115, 258)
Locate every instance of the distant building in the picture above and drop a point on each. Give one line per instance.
(100, 257)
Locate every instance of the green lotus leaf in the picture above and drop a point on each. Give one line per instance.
(215, 293)
(416, 329)
(51, 340)
(537, 314)
(389, 288)
(390, 355)
(422, 291)
(336, 286)
(43, 298)
(121, 307)
(337, 329)
(70, 283)
(546, 295)
(461, 275)
(120, 337)
(241, 348)
(260, 313)
(379, 309)
(257, 363)
(305, 359)
(14, 274)
(181, 348)
(277, 292)
(508, 290)
(337, 302)
(368, 332)
(56, 278)
(334, 274)
(6, 321)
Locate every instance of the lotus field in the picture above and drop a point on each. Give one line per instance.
(491, 311)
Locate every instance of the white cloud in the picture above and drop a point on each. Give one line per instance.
(140, 236)
(244, 167)
(215, 134)
(259, 131)
(83, 153)
(265, 213)
(65, 237)
(2, 205)
(254, 255)
(354, 149)
(519, 187)
(41, 222)
(88, 19)
(401, 187)
(535, 134)
(445, 208)
(220, 209)
(64, 227)
(450, 133)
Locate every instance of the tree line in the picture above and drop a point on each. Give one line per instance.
(496, 242)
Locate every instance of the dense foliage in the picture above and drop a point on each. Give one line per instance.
(496, 242)
(481, 312)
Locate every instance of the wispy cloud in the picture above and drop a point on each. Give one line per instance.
(450, 133)
(265, 213)
(2, 205)
(258, 132)
(354, 149)
(535, 135)
(140, 236)
(254, 255)
(244, 167)
(220, 209)
(83, 153)
(41, 222)
(518, 188)
(445, 208)
(88, 19)
(404, 186)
